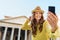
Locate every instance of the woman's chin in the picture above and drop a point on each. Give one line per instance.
(38, 18)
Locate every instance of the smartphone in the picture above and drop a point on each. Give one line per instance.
(52, 9)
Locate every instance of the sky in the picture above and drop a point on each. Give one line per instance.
(24, 7)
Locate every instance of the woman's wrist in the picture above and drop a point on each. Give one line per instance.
(54, 29)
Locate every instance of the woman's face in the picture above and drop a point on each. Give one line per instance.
(38, 15)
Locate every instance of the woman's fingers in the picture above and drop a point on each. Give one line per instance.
(48, 19)
(54, 16)
(30, 18)
(52, 19)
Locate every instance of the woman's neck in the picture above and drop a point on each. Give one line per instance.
(37, 21)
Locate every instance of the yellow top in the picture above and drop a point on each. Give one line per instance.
(44, 35)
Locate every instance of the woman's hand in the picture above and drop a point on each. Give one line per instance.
(30, 18)
(52, 19)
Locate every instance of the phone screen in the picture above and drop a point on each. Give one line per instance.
(52, 9)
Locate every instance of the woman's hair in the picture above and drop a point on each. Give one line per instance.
(34, 24)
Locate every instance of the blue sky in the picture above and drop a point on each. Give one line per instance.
(25, 7)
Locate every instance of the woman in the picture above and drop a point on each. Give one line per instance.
(39, 26)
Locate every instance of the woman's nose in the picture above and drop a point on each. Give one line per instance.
(38, 13)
